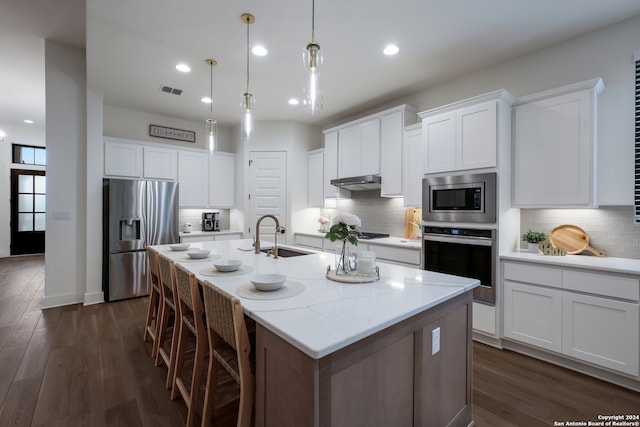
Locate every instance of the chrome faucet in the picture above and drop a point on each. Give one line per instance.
(278, 230)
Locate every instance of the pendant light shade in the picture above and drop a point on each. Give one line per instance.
(248, 101)
(211, 122)
(312, 94)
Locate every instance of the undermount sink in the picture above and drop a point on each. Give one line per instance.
(286, 253)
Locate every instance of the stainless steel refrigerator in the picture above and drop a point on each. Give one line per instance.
(135, 214)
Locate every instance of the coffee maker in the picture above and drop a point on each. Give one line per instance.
(210, 221)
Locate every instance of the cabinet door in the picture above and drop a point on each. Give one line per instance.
(476, 136)
(439, 136)
(193, 177)
(314, 242)
(228, 236)
(554, 153)
(369, 148)
(222, 185)
(412, 167)
(315, 184)
(160, 163)
(196, 238)
(601, 331)
(122, 159)
(349, 152)
(533, 315)
(391, 149)
(331, 167)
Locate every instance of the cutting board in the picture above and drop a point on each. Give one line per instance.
(411, 215)
(573, 239)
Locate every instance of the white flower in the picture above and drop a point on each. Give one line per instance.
(347, 219)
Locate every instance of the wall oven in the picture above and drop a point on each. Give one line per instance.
(460, 198)
(463, 252)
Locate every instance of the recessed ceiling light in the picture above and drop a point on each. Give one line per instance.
(206, 100)
(391, 49)
(183, 67)
(259, 50)
(294, 101)
(29, 122)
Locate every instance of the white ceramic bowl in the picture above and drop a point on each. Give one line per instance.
(179, 247)
(268, 282)
(226, 265)
(198, 253)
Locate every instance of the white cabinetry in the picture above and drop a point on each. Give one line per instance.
(589, 316)
(160, 163)
(465, 135)
(315, 183)
(359, 149)
(222, 182)
(412, 152)
(555, 147)
(209, 237)
(392, 124)
(331, 167)
(122, 159)
(193, 177)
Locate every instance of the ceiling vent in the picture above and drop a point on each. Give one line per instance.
(172, 90)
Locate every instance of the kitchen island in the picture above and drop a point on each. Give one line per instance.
(393, 352)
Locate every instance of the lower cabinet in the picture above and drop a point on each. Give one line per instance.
(195, 238)
(595, 324)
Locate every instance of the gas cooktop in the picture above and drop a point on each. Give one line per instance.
(364, 235)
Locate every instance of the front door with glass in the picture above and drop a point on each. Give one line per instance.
(28, 197)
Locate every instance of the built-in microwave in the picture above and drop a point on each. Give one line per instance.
(459, 198)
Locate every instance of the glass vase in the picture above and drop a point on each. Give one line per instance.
(342, 258)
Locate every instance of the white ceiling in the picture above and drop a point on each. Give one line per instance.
(133, 47)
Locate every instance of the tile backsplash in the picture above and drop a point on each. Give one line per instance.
(610, 228)
(378, 214)
(194, 216)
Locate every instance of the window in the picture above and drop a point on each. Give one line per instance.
(29, 155)
(31, 202)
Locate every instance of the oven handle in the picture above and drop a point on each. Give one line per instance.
(459, 240)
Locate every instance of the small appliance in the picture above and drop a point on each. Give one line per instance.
(187, 228)
(210, 221)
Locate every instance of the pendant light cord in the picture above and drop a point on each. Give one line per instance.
(211, 91)
(248, 19)
(313, 21)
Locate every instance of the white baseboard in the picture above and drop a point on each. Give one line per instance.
(91, 298)
(61, 300)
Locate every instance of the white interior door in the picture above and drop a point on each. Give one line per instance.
(268, 191)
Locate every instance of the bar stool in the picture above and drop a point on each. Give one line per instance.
(229, 348)
(190, 324)
(167, 326)
(153, 310)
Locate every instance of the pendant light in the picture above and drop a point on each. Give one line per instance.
(312, 57)
(211, 123)
(247, 101)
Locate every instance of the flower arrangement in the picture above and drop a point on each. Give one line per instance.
(344, 228)
(324, 224)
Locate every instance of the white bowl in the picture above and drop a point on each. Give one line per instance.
(268, 282)
(227, 265)
(179, 247)
(198, 253)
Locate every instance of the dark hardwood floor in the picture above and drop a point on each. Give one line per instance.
(88, 366)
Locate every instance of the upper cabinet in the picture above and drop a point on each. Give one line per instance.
(555, 153)
(315, 183)
(222, 180)
(160, 163)
(412, 149)
(193, 178)
(464, 135)
(371, 145)
(122, 159)
(206, 180)
(359, 149)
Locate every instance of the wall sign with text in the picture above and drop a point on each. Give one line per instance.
(171, 133)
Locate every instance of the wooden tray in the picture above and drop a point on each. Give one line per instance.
(572, 239)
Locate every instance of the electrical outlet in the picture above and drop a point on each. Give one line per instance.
(435, 341)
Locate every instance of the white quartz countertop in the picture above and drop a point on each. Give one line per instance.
(387, 241)
(200, 232)
(610, 264)
(328, 315)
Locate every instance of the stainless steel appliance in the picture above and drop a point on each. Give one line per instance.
(135, 214)
(463, 252)
(359, 183)
(459, 198)
(367, 235)
(210, 221)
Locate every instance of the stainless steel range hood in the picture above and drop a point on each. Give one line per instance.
(358, 183)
